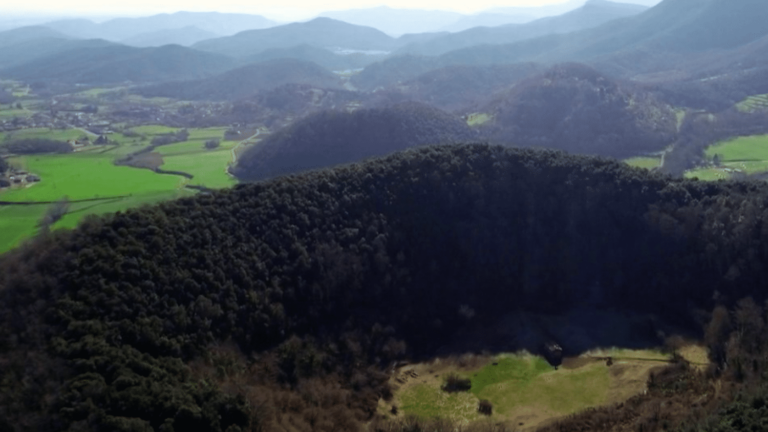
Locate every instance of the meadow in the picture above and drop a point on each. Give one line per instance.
(91, 174)
(524, 388)
(747, 155)
(647, 162)
(753, 103)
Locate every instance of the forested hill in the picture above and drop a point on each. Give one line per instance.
(245, 81)
(278, 305)
(117, 63)
(330, 137)
(573, 107)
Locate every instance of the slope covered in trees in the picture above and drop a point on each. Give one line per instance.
(278, 305)
(573, 107)
(117, 63)
(330, 138)
(245, 81)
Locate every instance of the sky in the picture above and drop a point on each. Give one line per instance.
(275, 9)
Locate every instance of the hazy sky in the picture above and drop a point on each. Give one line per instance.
(281, 9)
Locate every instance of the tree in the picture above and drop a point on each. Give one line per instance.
(212, 144)
(54, 213)
(716, 160)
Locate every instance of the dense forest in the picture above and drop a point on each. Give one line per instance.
(245, 81)
(279, 306)
(332, 137)
(35, 146)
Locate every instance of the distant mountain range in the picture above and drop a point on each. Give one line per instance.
(320, 32)
(121, 29)
(396, 22)
(591, 14)
(184, 36)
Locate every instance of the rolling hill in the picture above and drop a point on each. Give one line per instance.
(574, 108)
(320, 32)
(119, 63)
(26, 34)
(184, 36)
(244, 81)
(592, 14)
(329, 138)
(455, 88)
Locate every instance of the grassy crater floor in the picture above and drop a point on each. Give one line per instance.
(524, 389)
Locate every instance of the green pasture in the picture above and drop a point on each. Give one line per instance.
(708, 174)
(644, 162)
(523, 385)
(748, 155)
(750, 148)
(154, 129)
(753, 103)
(83, 176)
(6, 113)
(208, 167)
(514, 383)
(18, 223)
(79, 210)
(478, 119)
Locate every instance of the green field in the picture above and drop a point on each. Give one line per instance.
(209, 168)
(477, 119)
(83, 176)
(644, 162)
(18, 223)
(523, 386)
(746, 155)
(6, 113)
(750, 148)
(753, 103)
(91, 173)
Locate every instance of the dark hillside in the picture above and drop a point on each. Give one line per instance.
(461, 87)
(246, 80)
(276, 306)
(393, 70)
(321, 56)
(575, 108)
(331, 138)
(118, 63)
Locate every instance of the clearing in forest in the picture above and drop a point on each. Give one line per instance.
(526, 390)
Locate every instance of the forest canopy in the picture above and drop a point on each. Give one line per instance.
(280, 305)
